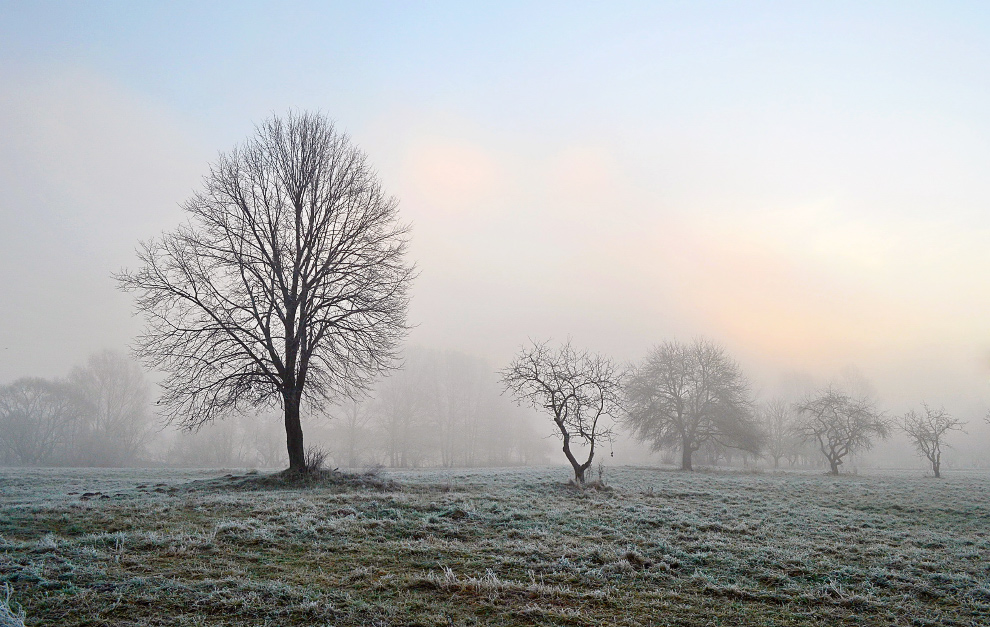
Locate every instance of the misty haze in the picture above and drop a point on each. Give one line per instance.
(638, 313)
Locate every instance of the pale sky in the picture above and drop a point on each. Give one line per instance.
(806, 183)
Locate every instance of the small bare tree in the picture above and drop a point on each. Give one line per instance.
(288, 284)
(927, 431)
(580, 391)
(688, 395)
(840, 424)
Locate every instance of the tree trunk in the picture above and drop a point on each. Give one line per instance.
(293, 432)
(579, 475)
(834, 464)
(936, 466)
(686, 457)
(578, 468)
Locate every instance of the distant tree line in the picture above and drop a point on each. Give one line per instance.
(99, 415)
(440, 409)
(241, 440)
(693, 399)
(447, 409)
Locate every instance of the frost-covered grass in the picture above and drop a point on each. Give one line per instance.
(9, 616)
(156, 547)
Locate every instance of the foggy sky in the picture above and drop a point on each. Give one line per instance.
(807, 185)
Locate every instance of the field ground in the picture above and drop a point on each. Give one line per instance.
(502, 547)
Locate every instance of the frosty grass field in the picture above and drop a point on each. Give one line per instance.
(502, 547)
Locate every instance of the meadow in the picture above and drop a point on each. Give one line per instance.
(494, 547)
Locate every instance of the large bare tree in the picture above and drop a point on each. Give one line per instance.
(686, 395)
(288, 284)
(580, 391)
(927, 431)
(840, 424)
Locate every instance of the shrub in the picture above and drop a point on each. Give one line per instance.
(315, 458)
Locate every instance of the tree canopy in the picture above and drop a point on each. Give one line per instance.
(684, 395)
(840, 424)
(288, 283)
(927, 430)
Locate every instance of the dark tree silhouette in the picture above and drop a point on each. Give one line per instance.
(288, 284)
(840, 424)
(580, 391)
(927, 431)
(686, 395)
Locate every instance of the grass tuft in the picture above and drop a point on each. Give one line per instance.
(10, 614)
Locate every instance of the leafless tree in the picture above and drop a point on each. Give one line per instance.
(927, 431)
(581, 391)
(686, 395)
(288, 284)
(36, 420)
(115, 410)
(840, 424)
(781, 438)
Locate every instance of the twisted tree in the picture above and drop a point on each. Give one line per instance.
(580, 391)
(288, 284)
(927, 431)
(840, 424)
